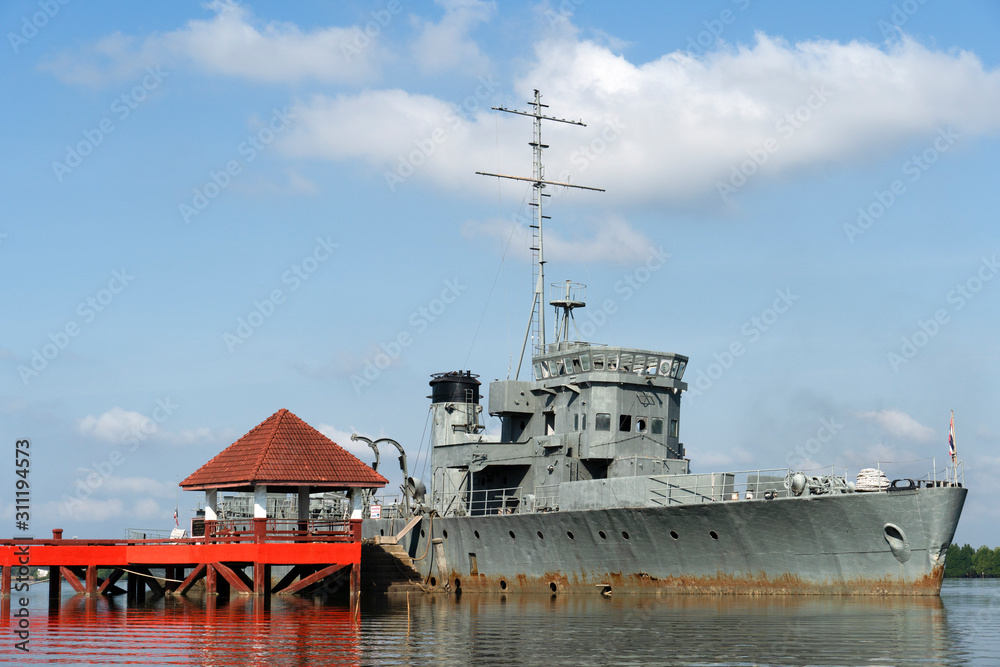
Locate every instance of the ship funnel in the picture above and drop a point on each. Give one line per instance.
(455, 387)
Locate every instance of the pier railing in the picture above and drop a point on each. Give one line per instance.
(235, 531)
(227, 532)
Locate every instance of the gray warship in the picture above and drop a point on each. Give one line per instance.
(588, 488)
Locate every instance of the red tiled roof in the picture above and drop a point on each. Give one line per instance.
(283, 450)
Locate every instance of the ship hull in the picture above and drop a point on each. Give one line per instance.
(843, 544)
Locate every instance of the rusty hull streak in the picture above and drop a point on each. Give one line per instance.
(719, 584)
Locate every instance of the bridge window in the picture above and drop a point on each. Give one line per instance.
(603, 422)
(550, 423)
(576, 422)
(657, 426)
(625, 423)
(640, 424)
(673, 428)
(583, 422)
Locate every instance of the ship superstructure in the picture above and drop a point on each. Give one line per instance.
(588, 487)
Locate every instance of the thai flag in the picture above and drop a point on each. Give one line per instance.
(176, 523)
(951, 437)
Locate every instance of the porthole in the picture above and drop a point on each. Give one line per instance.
(714, 534)
(624, 534)
(511, 533)
(569, 534)
(553, 587)
(673, 534)
(476, 533)
(603, 535)
(422, 533)
(381, 531)
(503, 585)
(444, 533)
(540, 536)
(458, 583)
(434, 581)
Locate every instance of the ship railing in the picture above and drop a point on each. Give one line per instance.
(951, 473)
(242, 507)
(718, 486)
(484, 502)
(546, 498)
(385, 507)
(146, 534)
(769, 483)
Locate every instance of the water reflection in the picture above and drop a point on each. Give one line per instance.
(488, 629)
(685, 630)
(201, 631)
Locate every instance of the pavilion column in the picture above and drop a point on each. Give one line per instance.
(211, 505)
(259, 512)
(352, 500)
(260, 502)
(303, 506)
(261, 571)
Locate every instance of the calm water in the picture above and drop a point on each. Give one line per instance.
(960, 628)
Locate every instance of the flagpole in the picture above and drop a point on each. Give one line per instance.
(954, 449)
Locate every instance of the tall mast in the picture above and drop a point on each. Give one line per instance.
(536, 321)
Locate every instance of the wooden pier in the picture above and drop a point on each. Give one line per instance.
(281, 455)
(229, 558)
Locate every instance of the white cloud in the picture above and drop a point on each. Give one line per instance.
(672, 129)
(343, 438)
(125, 427)
(116, 424)
(446, 45)
(613, 240)
(231, 43)
(137, 486)
(89, 509)
(901, 425)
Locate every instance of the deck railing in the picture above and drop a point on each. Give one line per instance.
(692, 488)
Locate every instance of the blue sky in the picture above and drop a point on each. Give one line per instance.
(214, 211)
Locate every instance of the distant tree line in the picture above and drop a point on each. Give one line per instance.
(965, 561)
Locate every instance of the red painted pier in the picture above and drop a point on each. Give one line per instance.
(321, 554)
(282, 455)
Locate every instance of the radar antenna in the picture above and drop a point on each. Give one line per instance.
(536, 322)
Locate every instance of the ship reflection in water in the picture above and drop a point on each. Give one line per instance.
(961, 627)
